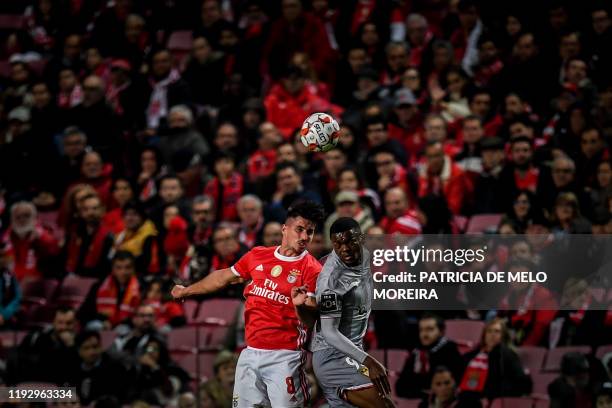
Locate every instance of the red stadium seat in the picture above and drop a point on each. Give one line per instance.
(460, 222)
(180, 41)
(191, 310)
(553, 359)
(532, 358)
(107, 337)
(406, 403)
(11, 22)
(518, 402)
(217, 311)
(541, 381)
(396, 360)
(213, 337)
(466, 333)
(182, 339)
(38, 291)
(74, 289)
(481, 223)
(603, 350)
(10, 339)
(188, 362)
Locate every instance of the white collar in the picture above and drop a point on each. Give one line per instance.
(281, 257)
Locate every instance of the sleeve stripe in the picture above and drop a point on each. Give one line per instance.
(235, 272)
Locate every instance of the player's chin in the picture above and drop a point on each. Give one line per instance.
(301, 246)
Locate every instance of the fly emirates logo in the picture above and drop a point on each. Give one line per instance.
(268, 291)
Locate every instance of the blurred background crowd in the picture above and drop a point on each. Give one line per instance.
(149, 142)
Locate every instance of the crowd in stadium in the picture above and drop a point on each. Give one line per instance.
(146, 143)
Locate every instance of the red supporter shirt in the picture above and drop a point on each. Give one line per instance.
(270, 319)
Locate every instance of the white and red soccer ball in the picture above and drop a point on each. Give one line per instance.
(320, 132)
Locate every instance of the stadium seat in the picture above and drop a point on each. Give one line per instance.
(206, 365)
(406, 403)
(74, 289)
(12, 338)
(191, 310)
(107, 337)
(554, 356)
(182, 339)
(603, 350)
(217, 311)
(188, 362)
(11, 22)
(180, 41)
(540, 383)
(38, 291)
(515, 402)
(532, 358)
(212, 337)
(482, 223)
(396, 360)
(464, 332)
(460, 222)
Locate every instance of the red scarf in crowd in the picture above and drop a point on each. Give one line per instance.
(107, 302)
(476, 373)
(165, 312)
(231, 190)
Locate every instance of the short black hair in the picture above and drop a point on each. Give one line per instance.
(308, 210)
(439, 321)
(136, 206)
(123, 256)
(85, 335)
(519, 139)
(168, 176)
(375, 120)
(343, 224)
(288, 165)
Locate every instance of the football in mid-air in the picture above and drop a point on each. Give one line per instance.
(320, 132)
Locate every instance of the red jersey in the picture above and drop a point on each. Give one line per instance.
(269, 316)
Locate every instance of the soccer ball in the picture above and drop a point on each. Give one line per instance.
(320, 132)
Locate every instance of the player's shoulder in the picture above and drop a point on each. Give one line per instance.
(262, 251)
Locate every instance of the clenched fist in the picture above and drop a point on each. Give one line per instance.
(178, 291)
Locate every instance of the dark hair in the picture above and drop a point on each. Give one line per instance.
(308, 210)
(343, 224)
(471, 118)
(352, 169)
(439, 321)
(85, 335)
(375, 120)
(519, 139)
(225, 155)
(440, 369)
(287, 165)
(127, 180)
(123, 256)
(63, 309)
(169, 176)
(136, 206)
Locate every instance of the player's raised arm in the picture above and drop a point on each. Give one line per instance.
(213, 282)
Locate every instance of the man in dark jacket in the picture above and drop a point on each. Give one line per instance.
(435, 350)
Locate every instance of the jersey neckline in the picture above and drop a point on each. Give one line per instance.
(285, 258)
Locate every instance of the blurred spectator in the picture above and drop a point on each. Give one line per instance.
(211, 22)
(217, 392)
(566, 217)
(122, 192)
(204, 72)
(167, 89)
(226, 187)
(272, 234)
(137, 236)
(444, 391)
(226, 252)
(96, 373)
(27, 244)
(440, 176)
(70, 91)
(203, 217)
(10, 292)
(529, 307)
(151, 167)
(400, 217)
(290, 101)
(576, 385)
(181, 135)
(397, 60)
(98, 175)
(347, 205)
(520, 173)
(113, 300)
(603, 396)
(406, 122)
(87, 249)
(47, 354)
(124, 95)
(434, 350)
(129, 346)
(158, 378)
(261, 162)
(493, 369)
(250, 214)
(525, 211)
(488, 197)
(289, 188)
(168, 313)
(469, 158)
(592, 151)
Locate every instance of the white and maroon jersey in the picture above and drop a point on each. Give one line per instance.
(270, 319)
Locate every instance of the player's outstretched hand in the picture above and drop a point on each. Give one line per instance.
(299, 295)
(178, 291)
(379, 376)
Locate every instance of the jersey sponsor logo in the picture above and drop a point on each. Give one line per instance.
(259, 267)
(268, 291)
(276, 271)
(329, 303)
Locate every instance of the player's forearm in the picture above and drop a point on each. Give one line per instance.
(333, 337)
(213, 282)
(307, 315)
